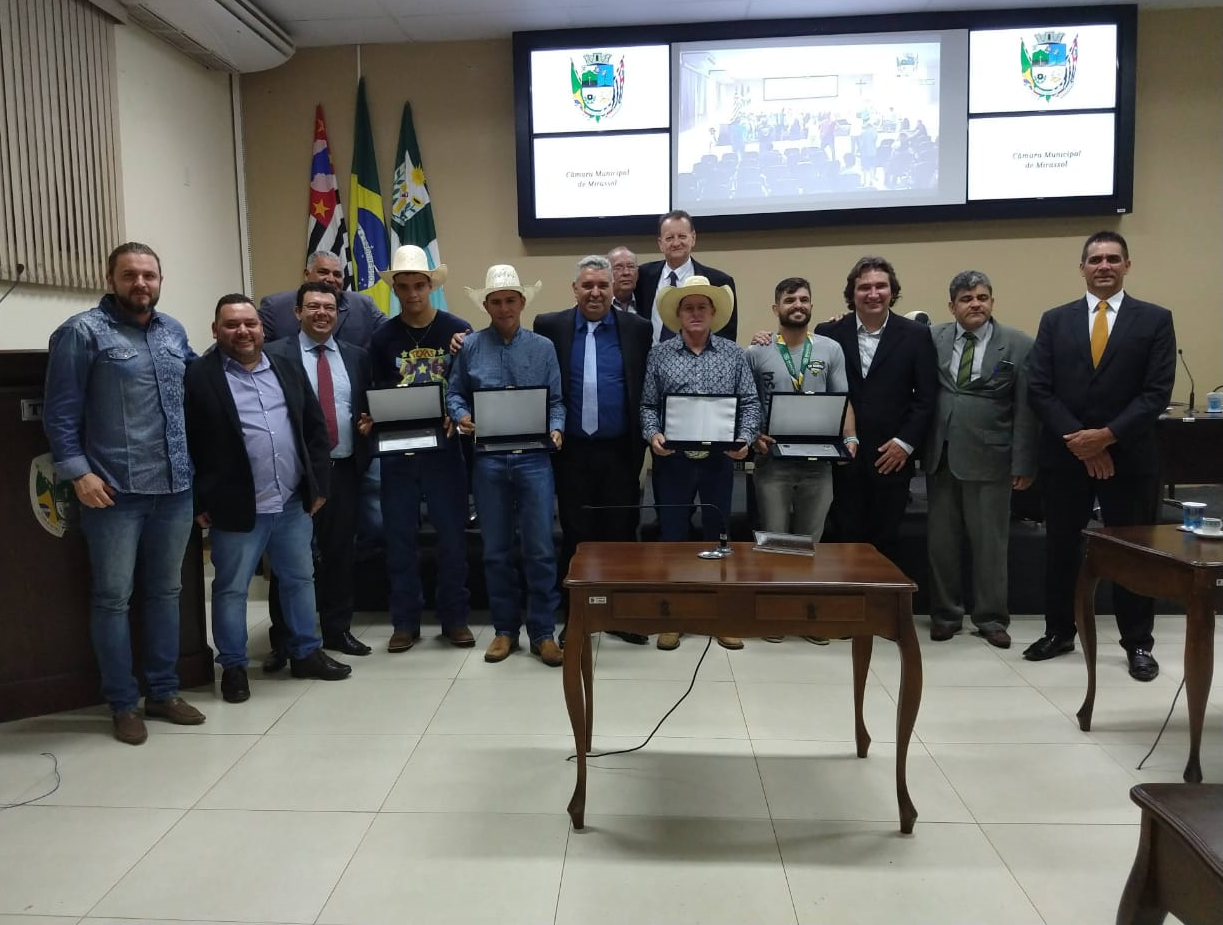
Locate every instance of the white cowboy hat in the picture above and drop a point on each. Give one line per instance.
(500, 278)
(669, 297)
(412, 259)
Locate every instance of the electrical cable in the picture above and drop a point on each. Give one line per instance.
(1163, 727)
(683, 697)
(54, 770)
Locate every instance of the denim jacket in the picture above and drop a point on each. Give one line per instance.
(113, 402)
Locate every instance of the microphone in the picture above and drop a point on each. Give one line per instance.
(721, 551)
(13, 284)
(1192, 385)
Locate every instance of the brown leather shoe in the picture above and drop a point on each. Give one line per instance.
(773, 638)
(402, 640)
(941, 632)
(730, 642)
(999, 638)
(175, 709)
(500, 648)
(129, 728)
(549, 653)
(668, 641)
(460, 637)
(817, 640)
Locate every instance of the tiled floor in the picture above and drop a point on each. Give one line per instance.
(431, 788)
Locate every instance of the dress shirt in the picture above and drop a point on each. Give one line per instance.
(681, 272)
(613, 418)
(629, 306)
(276, 468)
(113, 403)
(868, 343)
(982, 334)
(1114, 305)
(720, 369)
(488, 362)
(340, 385)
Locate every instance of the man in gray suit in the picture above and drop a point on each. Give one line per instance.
(981, 446)
(359, 316)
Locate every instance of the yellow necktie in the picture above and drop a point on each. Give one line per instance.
(1099, 333)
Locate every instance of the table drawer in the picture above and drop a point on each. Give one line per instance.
(812, 608)
(656, 604)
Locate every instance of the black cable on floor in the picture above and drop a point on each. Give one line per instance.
(691, 684)
(54, 770)
(1163, 727)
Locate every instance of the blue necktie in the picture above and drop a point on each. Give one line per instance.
(590, 383)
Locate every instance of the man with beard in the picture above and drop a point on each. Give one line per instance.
(113, 414)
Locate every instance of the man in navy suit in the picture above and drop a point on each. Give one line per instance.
(359, 317)
(1100, 373)
(676, 239)
(892, 370)
(339, 373)
(601, 458)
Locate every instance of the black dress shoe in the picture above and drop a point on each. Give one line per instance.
(1143, 666)
(1048, 646)
(347, 643)
(318, 664)
(635, 638)
(275, 661)
(941, 632)
(234, 686)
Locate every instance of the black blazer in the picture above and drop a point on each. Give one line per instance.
(224, 485)
(648, 275)
(360, 317)
(360, 377)
(636, 337)
(898, 397)
(1127, 392)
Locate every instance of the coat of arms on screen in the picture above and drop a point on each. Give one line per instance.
(1048, 69)
(598, 85)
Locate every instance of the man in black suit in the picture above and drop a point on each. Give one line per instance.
(602, 356)
(359, 316)
(893, 385)
(260, 446)
(339, 373)
(676, 239)
(1100, 374)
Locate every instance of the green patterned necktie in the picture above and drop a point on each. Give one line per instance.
(964, 374)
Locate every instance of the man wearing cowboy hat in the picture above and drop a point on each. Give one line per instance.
(413, 349)
(513, 486)
(694, 363)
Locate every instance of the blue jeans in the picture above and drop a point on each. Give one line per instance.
(518, 488)
(441, 480)
(678, 479)
(235, 555)
(151, 530)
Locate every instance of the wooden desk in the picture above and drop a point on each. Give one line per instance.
(844, 590)
(1162, 562)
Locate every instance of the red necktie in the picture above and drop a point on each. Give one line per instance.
(326, 395)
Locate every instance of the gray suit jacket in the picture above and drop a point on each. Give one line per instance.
(988, 427)
(360, 317)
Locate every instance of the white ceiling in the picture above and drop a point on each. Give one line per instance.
(353, 22)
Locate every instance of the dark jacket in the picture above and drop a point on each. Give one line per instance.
(224, 485)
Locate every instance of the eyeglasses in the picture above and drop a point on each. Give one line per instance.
(320, 307)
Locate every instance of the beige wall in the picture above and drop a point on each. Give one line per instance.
(179, 191)
(461, 95)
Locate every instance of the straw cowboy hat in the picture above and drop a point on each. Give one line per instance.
(412, 259)
(669, 297)
(500, 278)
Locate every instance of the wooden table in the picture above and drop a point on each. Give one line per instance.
(1162, 562)
(846, 590)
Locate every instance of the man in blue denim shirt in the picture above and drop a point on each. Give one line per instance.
(510, 486)
(113, 413)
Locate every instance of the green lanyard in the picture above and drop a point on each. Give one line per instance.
(796, 376)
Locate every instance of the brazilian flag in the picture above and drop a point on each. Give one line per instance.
(370, 246)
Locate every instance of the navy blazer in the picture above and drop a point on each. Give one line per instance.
(360, 377)
(1126, 393)
(360, 317)
(648, 275)
(224, 485)
(636, 337)
(898, 396)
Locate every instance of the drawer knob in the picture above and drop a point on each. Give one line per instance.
(812, 612)
(664, 608)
